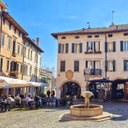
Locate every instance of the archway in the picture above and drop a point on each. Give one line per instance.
(70, 88)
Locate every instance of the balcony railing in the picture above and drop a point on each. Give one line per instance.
(96, 72)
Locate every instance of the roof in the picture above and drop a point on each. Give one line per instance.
(4, 6)
(33, 43)
(13, 22)
(102, 30)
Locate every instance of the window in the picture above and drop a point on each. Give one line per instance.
(63, 37)
(125, 65)
(61, 48)
(31, 55)
(18, 50)
(9, 43)
(124, 46)
(110, 65)
(110, 46)
(1, 64)
(2, 39)
(76, 66)
(21, 68)
(77, 37)
(96, 36)
(80, 47)
(66, 48)
(62, 66)
(89, 36)
(4, 20)
(74, 48)
(110, 35)
(93, 46)
(125, 34)
(19, 34)
(36, 58)
(30, 70)
(10, 26)
(8, 65)
(15, 30)
(22, 50)
(93, 64)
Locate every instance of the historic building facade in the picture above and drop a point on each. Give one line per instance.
(20, 57)
(32, 59)
(89, 54)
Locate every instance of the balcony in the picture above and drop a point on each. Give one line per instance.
(14, 54)
(96, 72)
(14, 74)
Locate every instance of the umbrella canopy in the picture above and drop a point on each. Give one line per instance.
(101, 81)
(38, 84)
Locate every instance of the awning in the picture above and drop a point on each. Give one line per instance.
(38, 84)
(14, 83)
(4, 85)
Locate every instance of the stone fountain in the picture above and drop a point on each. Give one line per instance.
(86, 111)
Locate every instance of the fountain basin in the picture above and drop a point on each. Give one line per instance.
(81, 111)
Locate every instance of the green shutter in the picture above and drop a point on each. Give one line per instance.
(106, 47)
(114, 46)
(80, 48)
(87, 47)
(59, 48)
(66, 47)
(106, 65)
(121, 45)
(114, 65)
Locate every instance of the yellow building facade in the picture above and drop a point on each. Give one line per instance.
(13, 54)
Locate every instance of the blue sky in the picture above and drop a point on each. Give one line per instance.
(40, 18)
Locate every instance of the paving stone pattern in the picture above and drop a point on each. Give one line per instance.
(49, 118)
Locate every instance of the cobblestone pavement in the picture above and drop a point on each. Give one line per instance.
(49, 118)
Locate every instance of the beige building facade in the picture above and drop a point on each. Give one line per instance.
(89, 54)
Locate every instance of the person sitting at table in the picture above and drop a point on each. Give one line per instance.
(10, 101)
(18, 100)
(29, 101)
(37, 100)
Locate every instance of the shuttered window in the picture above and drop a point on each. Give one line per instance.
(76, 66)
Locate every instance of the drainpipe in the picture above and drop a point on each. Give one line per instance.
(105, 55)
(0, 34)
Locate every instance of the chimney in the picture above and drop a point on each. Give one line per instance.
(37, 41)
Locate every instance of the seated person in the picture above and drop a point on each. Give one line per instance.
(29, 101)
(37, 100)
(18, 100)
(10, 101)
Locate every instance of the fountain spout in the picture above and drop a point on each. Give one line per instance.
(87, 95)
